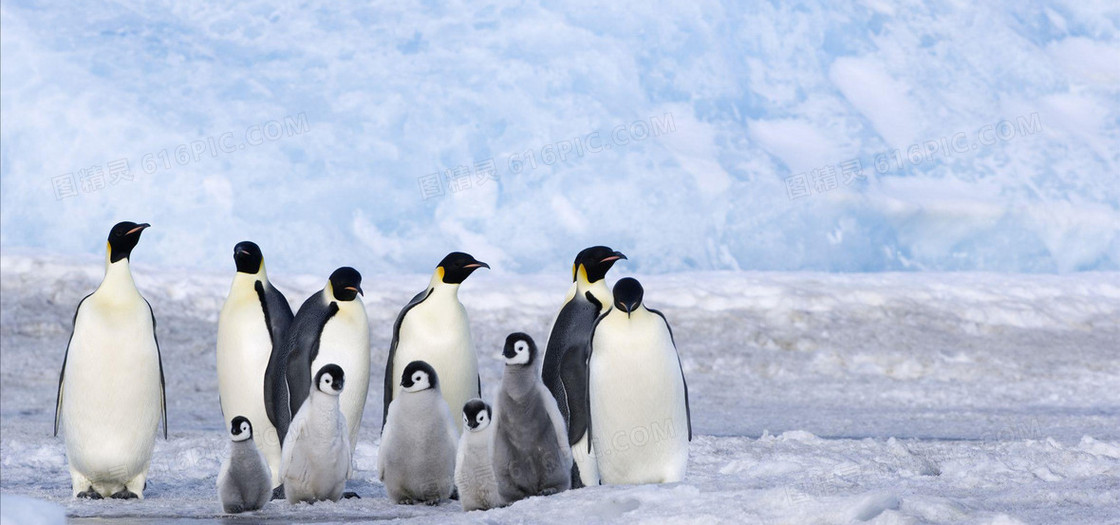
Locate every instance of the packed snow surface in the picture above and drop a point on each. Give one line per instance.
(816, 398)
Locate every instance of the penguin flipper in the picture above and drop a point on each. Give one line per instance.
(159, 359)
(278, 318)
(62, 373)
(390, 373)
(687, 405)
(303, 345)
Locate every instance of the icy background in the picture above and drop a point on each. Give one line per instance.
(378, 97)
(896, 398)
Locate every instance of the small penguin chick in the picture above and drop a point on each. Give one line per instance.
(244, 482)
(474, 473)
(416, 461)
(317, 452)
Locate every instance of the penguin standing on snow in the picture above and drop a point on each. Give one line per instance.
(251, 330)
(316, 457)
(332, 327)
(565, 359)
(111, 388)
(416, 461)
(474, 469)
(531, 452)
(640, 419)
(433, 328)
(244, 483)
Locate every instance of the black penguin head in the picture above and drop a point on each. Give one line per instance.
(346, 283)
(628, 294)
(596, 261)
(520, 350)
(247, 256)
(123, 238)
(240, 429)
(476, 415)
(418, 376)
(329, 379)
(457, 266)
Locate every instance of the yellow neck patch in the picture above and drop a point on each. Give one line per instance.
(439, 273)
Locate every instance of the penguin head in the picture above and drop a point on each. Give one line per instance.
(520, 350)
(247, 256)
(329, 379)
(346, 284)
(628, 295)
(457, 266)
(476, 415)
(123, 238)
(418, 376)
(596, 261)
(240, 429)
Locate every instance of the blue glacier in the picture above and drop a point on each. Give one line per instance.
(876, 136)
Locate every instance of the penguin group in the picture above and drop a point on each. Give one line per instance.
(606, 402)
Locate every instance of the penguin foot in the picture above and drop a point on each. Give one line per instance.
(234, 509)
(90, 494)
(548, 492)
(124, 494)
(278, 492)
(406, 501)
(432, 502)
(350, 495)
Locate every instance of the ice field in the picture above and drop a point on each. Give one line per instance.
(816, 398)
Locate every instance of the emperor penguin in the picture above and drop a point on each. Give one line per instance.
(565, 359)
(474, 468)
(433, 328)
(244, 482)
(317, 451)
(416, 461)
(640, 417)
(111, 388)
(531, 452)
(332, 327)
(251, 330)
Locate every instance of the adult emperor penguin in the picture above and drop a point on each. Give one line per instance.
(251, 330)
(474, 467)
(640, 419)
(332, 327)
(111, 388)
(433, 328)
(244, 482)
(317, 450)
(416, 461)
(565, 359)
(531, 452)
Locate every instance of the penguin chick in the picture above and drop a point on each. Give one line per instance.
(316, 457)
(416, 461)
(531, 452)
(245, 481)
(474, 470)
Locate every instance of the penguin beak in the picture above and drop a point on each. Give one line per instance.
(477, 264)
(613, 257)
(355, 289)
(138, 228)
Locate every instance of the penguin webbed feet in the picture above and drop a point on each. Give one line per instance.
(124, 494)
(278, 492)
(548, 492)
(350, 495)
(90, 494)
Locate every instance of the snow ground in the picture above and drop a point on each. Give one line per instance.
(817, 398)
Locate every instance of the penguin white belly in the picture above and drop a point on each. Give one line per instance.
(437, 331)
(638, 411)
(345, 342)
(244, 348)
(111, 396)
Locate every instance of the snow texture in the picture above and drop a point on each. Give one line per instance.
(816, 398)
(988, 133)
